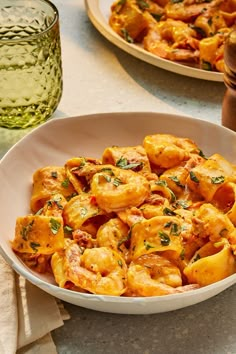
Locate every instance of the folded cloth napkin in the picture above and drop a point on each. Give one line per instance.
(27, 315)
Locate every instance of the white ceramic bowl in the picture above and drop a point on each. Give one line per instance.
(60, 139)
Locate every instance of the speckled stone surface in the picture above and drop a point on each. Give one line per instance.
(99, 77)
(205, 328)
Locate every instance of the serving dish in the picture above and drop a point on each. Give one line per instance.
(58, 140)
(99, 11)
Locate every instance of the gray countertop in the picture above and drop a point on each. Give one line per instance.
(99, 77)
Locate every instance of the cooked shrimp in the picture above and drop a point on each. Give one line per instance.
(115, 235)
(98, 270)
(153, 275)
(187, 10)
(116, 189)
(173, 40)
(210, 223)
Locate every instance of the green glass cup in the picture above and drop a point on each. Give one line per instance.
(30, 62)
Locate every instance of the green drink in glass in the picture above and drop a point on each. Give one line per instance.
(30, 62)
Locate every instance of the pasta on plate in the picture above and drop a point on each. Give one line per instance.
(187, 31)
(148, 220)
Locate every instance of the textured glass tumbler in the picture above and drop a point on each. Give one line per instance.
(30, 62)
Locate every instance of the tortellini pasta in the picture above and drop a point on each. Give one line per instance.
(191, 32)
(154, 219)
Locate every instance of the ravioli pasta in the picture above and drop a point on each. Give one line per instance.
(188, 31)
(148, 220)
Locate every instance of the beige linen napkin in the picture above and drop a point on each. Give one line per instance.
(27, 315)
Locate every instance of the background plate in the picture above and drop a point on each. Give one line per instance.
(99, 11)
(58, 140)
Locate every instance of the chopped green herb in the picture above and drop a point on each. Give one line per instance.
(177, 181)
(26, 229)
(34, 246)
(157, 16)
(199, 30)
(127, 36)
(54, 226)
(193, 177)
(168, 211)
(67, 229)
(147, 245)
(217, 180)
(182, 254)
(54, 174)
(165, 239)
(107, 178)
(181, 203)
(161, 183)
(39, 212)
(107, 170)
(168, 224)
(173, 197)
(142, 4)
(123, 163)
(206, 65)
(202, 154)
(83, 212)
(197, 257)
(117, 182)
(174, 230)
(120, 263)
(69, 197)
(65, 183)
(56, 201)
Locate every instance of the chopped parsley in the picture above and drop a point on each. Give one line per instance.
(147, 245)
(217, 180)
(67, 229)
(174, 230)
(125, 165)
(120, 263)
(54, 226)
(157, 16)
(165, 239)
(176, 180)
(182, 254)
(168, 211)
(54, 174)
(34, 246)
(83, 212)
(26, 229)
(142, 4)
(181, 203)
(117, 182)
(193, 177)
(161, 183)
(126, 35)
(197, 257)
(65, 183)
(202, 154)
(206, 65)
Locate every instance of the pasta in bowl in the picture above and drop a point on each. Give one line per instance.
(129, 222)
